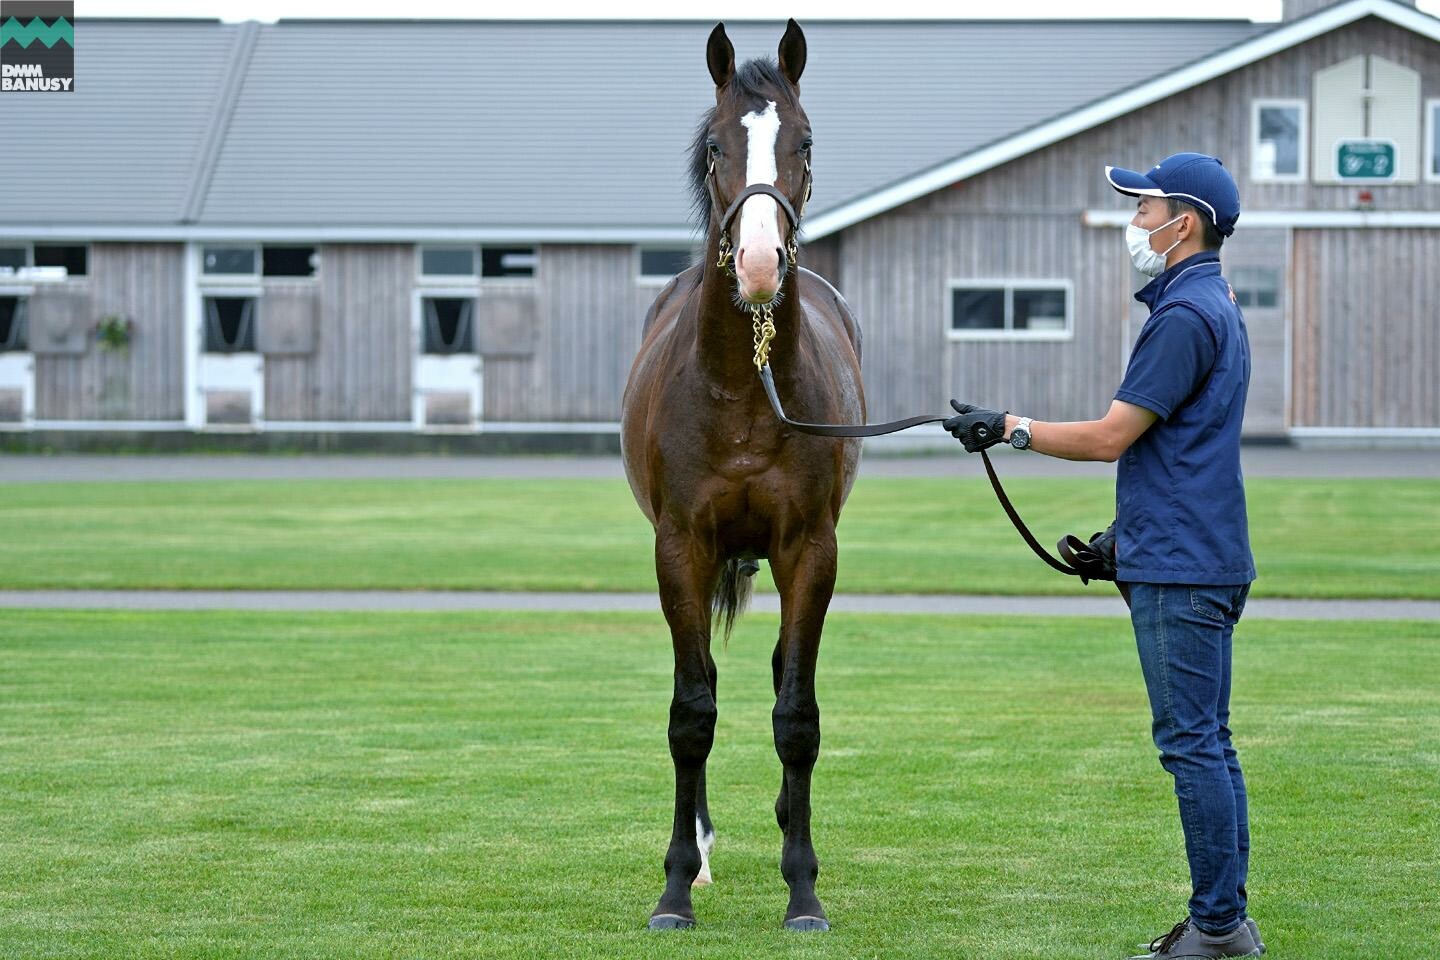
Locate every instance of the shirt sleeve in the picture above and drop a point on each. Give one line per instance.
(1170, 361)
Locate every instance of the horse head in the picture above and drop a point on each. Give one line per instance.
(752, 162)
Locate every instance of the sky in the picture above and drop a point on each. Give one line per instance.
(270, 10)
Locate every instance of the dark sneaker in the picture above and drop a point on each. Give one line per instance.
(1249, 922)
(1189, 941)
(1255, 934)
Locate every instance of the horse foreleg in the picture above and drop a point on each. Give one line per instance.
(686, 576)
(806, 578)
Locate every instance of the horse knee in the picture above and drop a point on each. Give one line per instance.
(797, 734)
(692, 728)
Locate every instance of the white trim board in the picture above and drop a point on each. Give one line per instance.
(1281, 38)
(1306, 219)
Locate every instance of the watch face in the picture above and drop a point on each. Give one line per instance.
(1019, 439)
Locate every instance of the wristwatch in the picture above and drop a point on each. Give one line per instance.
(1020, 436)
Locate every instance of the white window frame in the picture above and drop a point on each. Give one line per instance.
(1303, 146)
(450, 279)
(1009, 285)
(1429, 130)
(29, 247)
(232, 278)
(655, 279)
(230, 292)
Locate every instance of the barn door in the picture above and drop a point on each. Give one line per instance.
(1366, 343)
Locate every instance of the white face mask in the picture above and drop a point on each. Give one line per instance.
(1147, 261)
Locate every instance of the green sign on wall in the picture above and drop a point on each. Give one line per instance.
(1365, 159)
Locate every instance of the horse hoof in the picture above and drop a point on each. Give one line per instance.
(702, 879)
(807, 923)
(670, 921)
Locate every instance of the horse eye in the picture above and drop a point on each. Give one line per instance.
(714, 148)
(806, 145)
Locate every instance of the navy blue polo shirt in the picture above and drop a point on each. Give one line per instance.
(1179, 494)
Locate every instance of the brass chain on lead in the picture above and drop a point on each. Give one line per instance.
(762, 318)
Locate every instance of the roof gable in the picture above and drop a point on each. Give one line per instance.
(967, 165)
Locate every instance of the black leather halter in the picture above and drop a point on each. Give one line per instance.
(758, 190)
(761, 189)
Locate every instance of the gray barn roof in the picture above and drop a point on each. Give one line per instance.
(543, 126)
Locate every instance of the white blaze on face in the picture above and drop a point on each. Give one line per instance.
(760, 216)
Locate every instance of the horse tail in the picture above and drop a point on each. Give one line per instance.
(732, 595)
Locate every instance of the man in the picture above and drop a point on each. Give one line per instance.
(1182, 543)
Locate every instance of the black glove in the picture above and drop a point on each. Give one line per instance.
(976, 427)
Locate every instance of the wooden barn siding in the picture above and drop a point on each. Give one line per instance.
(142, 281)
(1023, 220)
(361, 367)
(1367, 345)
(897, 272)
(591, 311)
(291, 391)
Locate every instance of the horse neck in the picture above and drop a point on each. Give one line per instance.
(725, 332)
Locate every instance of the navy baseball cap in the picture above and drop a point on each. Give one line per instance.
(1193, 177)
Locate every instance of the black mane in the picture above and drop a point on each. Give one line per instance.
(758, 79)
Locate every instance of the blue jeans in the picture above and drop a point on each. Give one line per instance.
(1183, 634)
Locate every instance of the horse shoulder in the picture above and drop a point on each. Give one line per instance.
(825, 290)
(672, 296)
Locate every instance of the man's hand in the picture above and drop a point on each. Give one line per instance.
(976, 427)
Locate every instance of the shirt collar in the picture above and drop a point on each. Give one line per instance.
(1150, 294)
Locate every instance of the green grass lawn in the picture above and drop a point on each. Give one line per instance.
(433, 786)
(1312, 538)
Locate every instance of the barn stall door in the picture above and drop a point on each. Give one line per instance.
(1366, 345)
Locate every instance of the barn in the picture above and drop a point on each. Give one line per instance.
(326, 228)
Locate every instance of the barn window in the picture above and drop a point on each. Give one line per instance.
(288, 261)
(448, 324)
(1432, 140)
(660, 264)
(437, 261)
(229, 324)
(12, 324)
(507, 262)
(230, 261)
(72, 256)
(1256, 286)
(1020, 309)
(1277, 138)
(13, 259)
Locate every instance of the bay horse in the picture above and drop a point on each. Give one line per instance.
(724, 483)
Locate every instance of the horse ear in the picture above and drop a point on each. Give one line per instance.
(792, 53)
(720, 55)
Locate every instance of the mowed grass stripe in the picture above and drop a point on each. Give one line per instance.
(386, 785)
(1312, 538)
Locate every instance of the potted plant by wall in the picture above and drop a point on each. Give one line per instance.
(114, 332)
